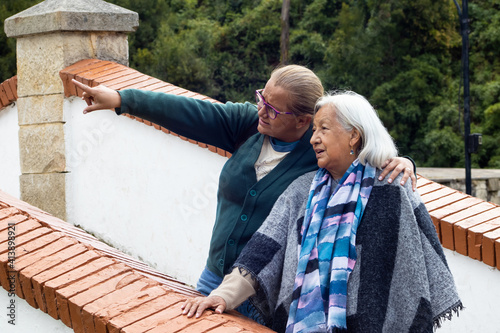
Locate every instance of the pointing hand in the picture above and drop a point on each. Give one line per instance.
(99, 98)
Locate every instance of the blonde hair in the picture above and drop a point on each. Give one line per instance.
(354, 111)
(303, 86)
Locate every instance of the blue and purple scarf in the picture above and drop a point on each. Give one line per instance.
(327, 253)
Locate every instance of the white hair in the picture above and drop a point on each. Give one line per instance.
(354, 111)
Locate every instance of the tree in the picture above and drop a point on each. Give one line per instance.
(9, 8)
(285, 30)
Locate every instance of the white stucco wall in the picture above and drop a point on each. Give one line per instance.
(149, 194)
(26, 318)
(10, 167)
(479, 288)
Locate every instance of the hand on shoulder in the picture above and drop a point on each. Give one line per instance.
(399, 165)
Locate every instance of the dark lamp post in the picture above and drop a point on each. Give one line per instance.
(473, 141)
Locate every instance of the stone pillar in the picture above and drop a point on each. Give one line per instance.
(51, 36)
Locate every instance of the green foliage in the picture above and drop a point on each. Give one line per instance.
(489, 155)
(404, 56)
(404, 103)
(9, 8)
(179, 57)
(443, 147)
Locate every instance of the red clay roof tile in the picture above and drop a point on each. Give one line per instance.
(446, 228)
(123, 294)
(159, 318)
(4, 100)
(77, 302)
(421, 181)
(446, 200)
(107, 277)
(156, 86)
(489, 255)
(26, 242)
(10, 220)
(198, 96)
(497, 253)
(474, 209)
(120, 82)
(144, 310)
(167, 89)
(146, 83)
(429, 188)
(104, 315)
(51, 287)
(23, 249)
(39, 280)
(197, 326)
(443, 191)
(37, 255)
(223, 329)
(19, 228)
(92, 287)
(45, 264)
(476, 227)
(85, 64)
(6, 212)
(188, 93)
(104, 73)
(466, 217)
(13, 86)
(463, 221)
(138, 80)
(8, 90)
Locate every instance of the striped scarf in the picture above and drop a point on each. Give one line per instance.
(327, 253)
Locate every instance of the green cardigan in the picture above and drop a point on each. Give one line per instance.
(243, 203)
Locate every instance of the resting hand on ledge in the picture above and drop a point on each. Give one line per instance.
(99, 98)
(398, 165)
(198, 305)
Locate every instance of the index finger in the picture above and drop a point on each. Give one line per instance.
(413, 182)
(82, 86)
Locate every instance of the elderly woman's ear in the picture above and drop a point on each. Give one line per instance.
(355, 141)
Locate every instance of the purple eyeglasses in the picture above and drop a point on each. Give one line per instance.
(271, 111)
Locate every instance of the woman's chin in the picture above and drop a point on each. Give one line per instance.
(263, 129)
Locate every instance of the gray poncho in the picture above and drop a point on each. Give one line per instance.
(400, 283)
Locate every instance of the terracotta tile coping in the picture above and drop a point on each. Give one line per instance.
(8, 92)
(464, 223)
(90, 286)
(94, 72)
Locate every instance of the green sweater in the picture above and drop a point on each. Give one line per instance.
(243, 203)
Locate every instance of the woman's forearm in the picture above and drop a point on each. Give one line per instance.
(236, 287)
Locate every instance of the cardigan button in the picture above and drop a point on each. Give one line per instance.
(221, 262)
(230, 242)
(253, 193)
(244, 217)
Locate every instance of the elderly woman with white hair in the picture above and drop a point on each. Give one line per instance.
(352, 253)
